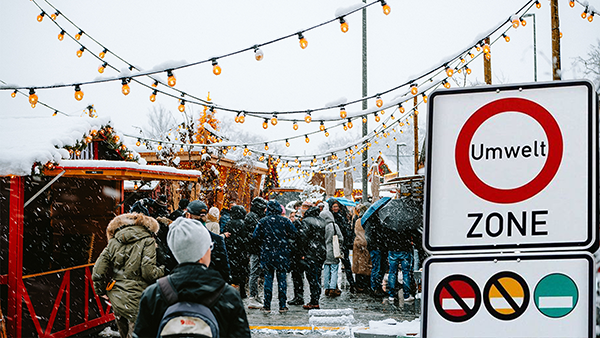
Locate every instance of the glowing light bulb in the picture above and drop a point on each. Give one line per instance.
(326, 133)
(572, 3)
(102, 54)
(506, 37)
(386, 8)
(462, 60)
(102, 67)
(350, 124)
(171, 80)
(307, 118)
(153, 96)
(55, 15)
(515, 23)
(216, 67)
(33, 98)
(182, 106)
(446, 84)
(303, 42)
(13, 94)
(125, 89)
(258, 54)
(424, 98)
(306, 139)
(138, 143)
(274, 120)
(486, 48)
(413, 89)
(345, 126)
(159, 147)
(80, 52)
(78, 93)
(61, 35)
(343, 25)
(377, 118)
(155, 84)
(266, 146)
(591, 17)
(343, 113)
(379, 102)
(401, 109)
(468, 70)
(488, 56)
(561, 35)
(523, 22)
(538, 5)
(287, 143)
(41, 17)
(322, 126)
(471, 55)
(243, 118)
(78, 35)
(364, 119)
(265, 124)
(295, 125)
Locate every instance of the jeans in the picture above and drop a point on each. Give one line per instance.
(281, 287)
(254, 273)
(405, 260)
(376, 275)
(313, 275)
(331, 275)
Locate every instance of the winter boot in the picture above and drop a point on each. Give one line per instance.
(335, 293)
(296, 301)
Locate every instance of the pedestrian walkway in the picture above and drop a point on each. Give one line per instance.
(365, 307)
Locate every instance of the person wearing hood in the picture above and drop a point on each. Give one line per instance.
(273, 234)
(257, 211)
(212, 221)
(225, 216)
(237, 247)
(193, 282)
(340, 214)
(330, 274)
(314, 254)
(183, 203)
(127, 266)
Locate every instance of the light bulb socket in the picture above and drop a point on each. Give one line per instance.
(214, 62)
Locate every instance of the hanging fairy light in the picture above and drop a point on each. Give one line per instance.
(287, 143)
(350, 125)
(379, 102)
(303, 42)
(401, 108)
(33, 98)
(523, 22)
(295, 125)
(274, 120)
(102, 67)
(80, 52)
(216, 67)
(506, 37)
(413, 89)
(326, 133)
(424, 99)
(364, 119)
(125, 86)
(343, 25)
(386, 7)
(55, 15)
(265, 123)
(78, 35)
(377, 118)
(13, 94)
(307, 117)
(40, 17)
(242, 118)
(266, 146)
(538, 4)
(171, 80)
(181, 106)
(572, 3)
(449, 71)
(102, 54)
(258, 54)
(468, 70)
(322, 126)
(306, 139)
(153, 95)
(78, 93)
(61, 35)
(343, 112)
(345, 126)
(515, 22)
(446, 84)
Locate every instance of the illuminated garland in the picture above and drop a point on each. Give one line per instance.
(588, 12)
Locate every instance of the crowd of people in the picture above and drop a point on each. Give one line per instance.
(218, 257)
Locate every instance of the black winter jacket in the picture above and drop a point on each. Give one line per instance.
(237, 243)
(219, 260)
(258, 207)
(314, 233)
(193, 283)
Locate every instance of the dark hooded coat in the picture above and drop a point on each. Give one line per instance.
(257, 211)
(314, 235)
(193, 283)
(273, 234)
(237, 243)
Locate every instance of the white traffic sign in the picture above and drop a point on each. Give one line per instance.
(527, 295)
(512, 167)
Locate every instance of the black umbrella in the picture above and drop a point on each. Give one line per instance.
(401, 214)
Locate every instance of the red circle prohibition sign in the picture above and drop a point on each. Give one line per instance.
(543, 178)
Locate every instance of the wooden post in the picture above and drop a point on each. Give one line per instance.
(556, 75)
(487, 65)
(416, 135)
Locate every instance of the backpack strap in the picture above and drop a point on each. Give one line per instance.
(167, 290)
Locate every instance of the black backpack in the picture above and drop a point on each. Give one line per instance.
(187, 319)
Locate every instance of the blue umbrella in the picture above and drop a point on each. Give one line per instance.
(373, 208)
(346, 201)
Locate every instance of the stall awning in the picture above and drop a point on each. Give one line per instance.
(120, 170)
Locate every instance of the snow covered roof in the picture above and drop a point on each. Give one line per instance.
(28, 140)
(122, 169)
(292, 179)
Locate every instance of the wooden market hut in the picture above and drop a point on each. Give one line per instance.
(230, 182)
(61, 182)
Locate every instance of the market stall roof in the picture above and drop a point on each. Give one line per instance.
(121, 170)
(226, 161)
(292, 180)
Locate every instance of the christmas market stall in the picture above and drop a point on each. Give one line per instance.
(61, 182)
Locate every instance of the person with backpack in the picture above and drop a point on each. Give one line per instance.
(193, 299)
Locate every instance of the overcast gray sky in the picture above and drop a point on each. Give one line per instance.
(414, 37)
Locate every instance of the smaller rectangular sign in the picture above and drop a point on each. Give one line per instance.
(520, 295)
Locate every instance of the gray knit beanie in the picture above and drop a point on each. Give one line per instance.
(188, 239)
